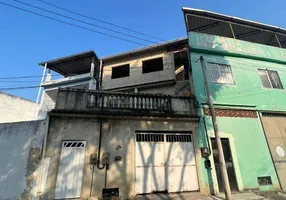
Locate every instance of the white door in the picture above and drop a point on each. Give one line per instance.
(181, 170)
(165, 162)
(150, 169)
(69, 179)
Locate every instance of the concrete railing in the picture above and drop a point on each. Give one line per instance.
(73, 100)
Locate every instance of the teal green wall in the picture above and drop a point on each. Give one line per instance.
(251, 148)
(248, 89)
(244, 58)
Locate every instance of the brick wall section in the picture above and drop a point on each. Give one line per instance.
(232, 113)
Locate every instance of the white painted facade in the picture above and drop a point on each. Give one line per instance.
(16, 109)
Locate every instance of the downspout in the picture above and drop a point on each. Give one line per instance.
(100, 120)
(99, 147)
(100, 131)
(39, 192)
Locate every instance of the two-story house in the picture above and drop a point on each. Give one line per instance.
(123, 124)
(245, 64)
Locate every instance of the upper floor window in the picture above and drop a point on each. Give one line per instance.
(152, 65)
(270, 79)
(120, 71)
(220, 73)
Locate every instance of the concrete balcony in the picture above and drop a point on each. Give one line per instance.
(114, 103)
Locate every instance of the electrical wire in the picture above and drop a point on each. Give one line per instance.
(81, 21)
(20, 88)
(105, 22)
(71, 24)
(20, 77)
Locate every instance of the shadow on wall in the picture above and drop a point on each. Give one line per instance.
(233, 81)
(20, 150)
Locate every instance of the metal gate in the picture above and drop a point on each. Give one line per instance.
(165, 162)
(69, 179)
(275, 130)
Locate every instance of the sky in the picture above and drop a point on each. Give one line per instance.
(27, 39)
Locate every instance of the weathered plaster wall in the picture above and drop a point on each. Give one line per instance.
(136, 76)
(250, 149)
(20, 149)
(248, 89)
(116, 133)
(180, 88)
(15, 109)
(47, 103)
(245, 58)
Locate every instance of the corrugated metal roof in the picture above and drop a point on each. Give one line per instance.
(70, 64)
(218, 24)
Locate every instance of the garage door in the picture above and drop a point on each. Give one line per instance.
(275, 130)
(165, 162)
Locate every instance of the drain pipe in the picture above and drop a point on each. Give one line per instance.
(100, 122)
(99, 147)
(43, 157)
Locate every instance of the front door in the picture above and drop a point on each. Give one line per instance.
(69, 179)
(228, 163)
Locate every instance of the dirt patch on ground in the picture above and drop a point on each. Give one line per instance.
(273, 195)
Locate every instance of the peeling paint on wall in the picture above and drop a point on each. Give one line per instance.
(20, 150)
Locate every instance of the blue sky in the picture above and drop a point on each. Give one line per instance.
(26, 39)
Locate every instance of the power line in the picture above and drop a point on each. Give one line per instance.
(87, 17)
(71, 24)
(128, 35)
(20, 77)
(19, 88)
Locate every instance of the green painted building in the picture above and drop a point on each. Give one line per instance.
(246, 71)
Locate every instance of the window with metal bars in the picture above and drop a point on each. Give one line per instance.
(149, 138)
(73, 144)
(220, 73)
(270, 79)
(178, 138)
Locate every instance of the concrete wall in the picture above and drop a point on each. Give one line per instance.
(248, 140)
(116, 133)
(251, 156)
(180, 88)
(248, 89)
(136, 76)
(20, 150)
(15, 109)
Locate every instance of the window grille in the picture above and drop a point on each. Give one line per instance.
(220, 73)
(178, 138)
(149, 138)
(73, 144)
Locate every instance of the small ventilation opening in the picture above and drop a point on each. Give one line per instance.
(73, 144)
(178, 138)
(152, 65)
(120, 71)
(264, 180)
(149, 138)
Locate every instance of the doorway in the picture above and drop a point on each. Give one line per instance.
(228, 162)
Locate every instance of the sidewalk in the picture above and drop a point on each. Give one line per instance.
(174, 196)
(275, 195)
